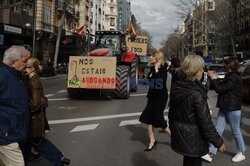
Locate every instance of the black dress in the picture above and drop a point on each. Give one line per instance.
(157, 99)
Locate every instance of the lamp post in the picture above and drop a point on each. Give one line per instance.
(34, 27)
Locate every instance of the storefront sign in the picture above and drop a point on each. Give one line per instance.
(12, 29)
(120, 21)
(1, 40)
(92, 72)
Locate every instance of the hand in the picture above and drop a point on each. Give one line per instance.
(212, 74)
(157, 65)
(222, 148)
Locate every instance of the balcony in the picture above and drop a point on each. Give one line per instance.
(111, 13)
(60, 5)
(77, 14)
(112, 4)
(70, 9)
(20, 20)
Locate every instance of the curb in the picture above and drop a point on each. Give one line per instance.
(53, 77)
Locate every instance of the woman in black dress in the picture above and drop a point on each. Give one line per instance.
(157, 95)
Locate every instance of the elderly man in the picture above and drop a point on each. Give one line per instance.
(14, 111)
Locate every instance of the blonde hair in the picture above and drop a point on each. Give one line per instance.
(35, 63)
(159, 56)
(190, 66)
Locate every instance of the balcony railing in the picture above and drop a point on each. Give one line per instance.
(77, 14)
(70, 9)
(60, 4)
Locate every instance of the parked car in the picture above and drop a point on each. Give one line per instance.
(246, 83)
(220, 69)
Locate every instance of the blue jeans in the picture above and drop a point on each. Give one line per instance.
(49, 151)
(233, 118)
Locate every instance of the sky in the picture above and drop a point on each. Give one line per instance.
(158, 17)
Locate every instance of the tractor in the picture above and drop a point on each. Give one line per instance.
(113, 44)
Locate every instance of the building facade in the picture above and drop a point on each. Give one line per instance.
(243, 29)
(111, 15)
(97, 16)
(124, 15)
(16, 24)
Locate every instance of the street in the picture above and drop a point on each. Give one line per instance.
(94, 131)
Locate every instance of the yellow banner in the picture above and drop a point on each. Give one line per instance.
(92, 72)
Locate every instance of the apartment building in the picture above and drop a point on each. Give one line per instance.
(111, 17)
(124, 15)
(243, 28)
(97, 16)
(200, 27)
(16, 24)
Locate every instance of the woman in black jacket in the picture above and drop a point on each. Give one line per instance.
(189, 118)
(229, 103)
(153, 115)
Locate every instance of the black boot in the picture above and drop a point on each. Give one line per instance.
(65, 161)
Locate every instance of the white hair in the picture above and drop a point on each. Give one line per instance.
(13, 53)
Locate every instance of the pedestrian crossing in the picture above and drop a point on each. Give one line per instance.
(89, 127)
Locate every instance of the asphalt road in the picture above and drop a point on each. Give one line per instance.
(95, 131)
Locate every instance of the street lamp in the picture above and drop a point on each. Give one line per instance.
(34, 28)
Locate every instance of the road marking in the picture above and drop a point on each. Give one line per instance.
(134, 95)
(129, 122)
(59, 99)
(62, 91)
(85, 127)
(64, 121)
(49, 95)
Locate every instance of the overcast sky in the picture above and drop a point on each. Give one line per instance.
(158, 17)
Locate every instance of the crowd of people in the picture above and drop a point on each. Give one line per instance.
(191, 129)
(23, 106)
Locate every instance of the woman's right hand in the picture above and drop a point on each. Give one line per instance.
(222, 148)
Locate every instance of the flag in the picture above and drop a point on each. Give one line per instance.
(132, 30)
(81, 30)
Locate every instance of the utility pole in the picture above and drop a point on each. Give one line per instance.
(65, 4)
(34, 27)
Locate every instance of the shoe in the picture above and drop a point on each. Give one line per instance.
(65, 161)
(239, 157)
(208, 157)
(150, 149)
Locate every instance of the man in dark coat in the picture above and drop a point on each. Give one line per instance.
(14, 111)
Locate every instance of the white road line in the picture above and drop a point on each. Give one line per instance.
(62, 91)
(129, 122)
(64, 121)
(59, 99)
(84, 127)
(49, 95)
(138, 95)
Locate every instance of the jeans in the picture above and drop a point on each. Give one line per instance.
(233, 118)
(49, 151)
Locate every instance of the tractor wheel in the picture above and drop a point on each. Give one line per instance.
(134, 76)
(146, 72)
(122, 82)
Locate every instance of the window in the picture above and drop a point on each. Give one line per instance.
(46, 14)
(112, 22)
(112, 10)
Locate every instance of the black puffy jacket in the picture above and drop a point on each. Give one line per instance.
(190, 121)
(229, 91)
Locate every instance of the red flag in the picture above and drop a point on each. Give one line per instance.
(132, 30)
(81, 30)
